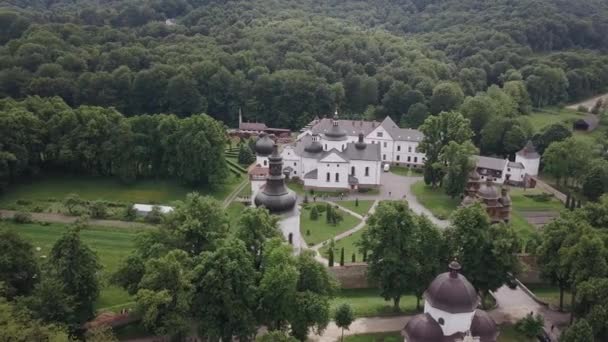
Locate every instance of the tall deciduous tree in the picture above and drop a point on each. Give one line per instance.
(447, 96)
(568, 159)
(254, 228)
(224, 292)
(343, 317)
(18, 267)
(439, 131)
(458, 162)
(430, 255)
(486, 252)
(390, 239)
(76, 266)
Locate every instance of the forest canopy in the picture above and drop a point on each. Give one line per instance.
(288, 61)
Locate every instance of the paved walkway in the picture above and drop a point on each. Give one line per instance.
(60, 218)
(362, 326)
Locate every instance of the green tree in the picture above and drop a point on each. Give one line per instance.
(102, 333)
(165, 294)
(183, 97)
(531, 325)
(486, 252)
(415, 116)
(447, 96)
(314, 213)
(390, 239)
(275, 336)
(458, 162)
(98, 209)
(342, 256)
(344, 316)
(197, 224)
(245, 156)
(580, 331)
(430, 255)
(330, 257)
(254, 228)
(17, 325)
(552, 133)
(18, 267)
(568, 159)
(595, 181)
(224, 292)
(439, 131)
(76, 266)
(50, 303)
(71, 201)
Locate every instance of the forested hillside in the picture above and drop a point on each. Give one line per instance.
(286, 61)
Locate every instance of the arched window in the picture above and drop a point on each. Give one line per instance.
(352, 171)
(337, 177)
(264, 162)
(342, 147)
(325, 147)
(328, 178)
(367, 170)
(290, 238)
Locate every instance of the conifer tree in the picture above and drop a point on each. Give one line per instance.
(342, 257)
(330, 257)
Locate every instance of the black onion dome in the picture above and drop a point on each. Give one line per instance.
(484, 327)
(314, 146)
(336, 132)
(423, 328)
(360, 144)
(452, 292)
(275, 196)
(264, 145)
(474, 175)
(488, 190)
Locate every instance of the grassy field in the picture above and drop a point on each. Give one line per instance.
(320, 230)
(367, 302)
(349, 246)
(48, 192)
(550, 294)
(524, 200)
(545, 117)
(435, 200)
(401, 170)
(392, 336)
(361, 209)
(112, 245)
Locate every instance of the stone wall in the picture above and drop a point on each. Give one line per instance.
(351, 276)
(354, 276)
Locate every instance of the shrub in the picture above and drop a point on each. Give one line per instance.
(320, 208)
(129, 213)
(23, 202)
(543, 197)
(307, 232)
(583, 109)
(98, 209)
(71, 201)
(314, 213)
(38, 209)
(22, 217)
(531, 325)
(155, 216)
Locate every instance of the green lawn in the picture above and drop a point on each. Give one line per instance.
(234, 211)
(367, 302)
(349, 246)
(524, 200)
(393, 336)
(545, 117)
(435, 200)
(361, 209)
(48, 191)
(550, 294)
(401, 170)
(112, 245)
(509, 334)
(319, 229)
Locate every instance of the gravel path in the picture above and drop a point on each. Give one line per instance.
(589, 103)
(60, 218)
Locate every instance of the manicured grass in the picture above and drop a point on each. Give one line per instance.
(367, 302)
(350, 247)
(319, 229)
(112, 245)
(509, 334)
(435, 200)
(550, 294)
(234, 211)
(522, 201)
(401, 170)
(545, 117)
(393, 336)
(48, 191)
(361, 209)
(523, 228)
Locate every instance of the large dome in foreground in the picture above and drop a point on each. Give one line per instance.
(452, 292)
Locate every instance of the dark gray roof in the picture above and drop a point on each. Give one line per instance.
(352, 180)
(264, 145)
(529, 151)
(484, 327)
(351, 127)
(401, 134)
(515, 165)
(423, 328)
(453, 294)
(371, 152)
(488, 190)
(311, 174)
(491, 163)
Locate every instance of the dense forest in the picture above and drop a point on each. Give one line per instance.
(286, 61)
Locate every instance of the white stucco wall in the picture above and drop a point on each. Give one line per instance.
(531, 165)
(453, 323)
(373, 177)
(261, 160)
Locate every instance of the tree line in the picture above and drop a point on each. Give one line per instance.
(39, 134)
